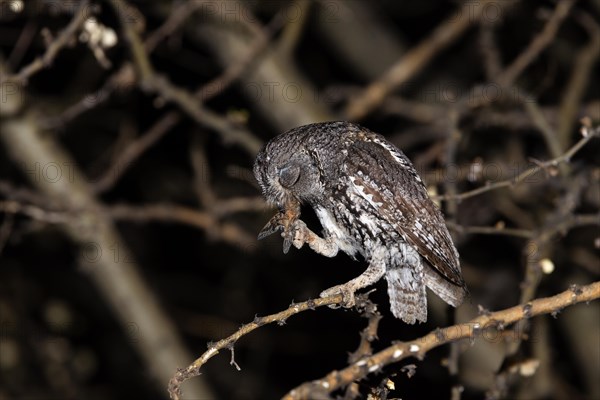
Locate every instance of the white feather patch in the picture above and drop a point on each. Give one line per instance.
(329, 223)
(360, 190)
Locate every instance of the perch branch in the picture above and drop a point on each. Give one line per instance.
(419, 347)
(213, 348)
(369, 333)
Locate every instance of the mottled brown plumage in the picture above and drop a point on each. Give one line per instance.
(370, 201)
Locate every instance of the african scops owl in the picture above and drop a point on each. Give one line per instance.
(369, 200)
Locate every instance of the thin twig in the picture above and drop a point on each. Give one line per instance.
(369, 334)
(292, 33)
(22, 194)
(578, 81)
(490, 230)
(22, 44)
(538, 44)
(588, 135)
(219, 84)
(225, 231)
(121, 80)
(489, 50)
(134, 150)
(452, 142)
(11, 207)
(213, 348)
(175, 20)
(228, 232)
(5, 229)
(154, 83)
(415, 60)
(548, 133)
(240, 204)
(202, 174)
(83, 12)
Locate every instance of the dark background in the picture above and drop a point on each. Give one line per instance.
(61, 339)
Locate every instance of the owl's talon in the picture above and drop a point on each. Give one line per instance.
(298, 233)
(295, 235)
(347, 293)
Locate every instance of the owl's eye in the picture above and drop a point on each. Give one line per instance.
(289, 175)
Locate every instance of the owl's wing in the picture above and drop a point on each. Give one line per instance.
(387, 179)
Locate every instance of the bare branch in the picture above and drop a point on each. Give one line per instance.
(588, 135)
(490, 230)
(415, 60)
(419, 347)
(119, 280)
(154, 83)
(225, 231)
(213, 348)
(83, 12)
(578, 81)
(539, 43)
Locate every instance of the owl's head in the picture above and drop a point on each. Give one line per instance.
(287, 173)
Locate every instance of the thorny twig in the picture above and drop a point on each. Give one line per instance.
(369, 334)
(213, 348)
(419, 347)
(399, 351)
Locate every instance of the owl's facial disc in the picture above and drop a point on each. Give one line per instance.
(289, 175)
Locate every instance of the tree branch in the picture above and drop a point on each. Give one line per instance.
(419, 347)
(213, 348)
(415, 60)
(588, 134)
(83, 12)
(537, 45)
(152, 82)
(369, 364)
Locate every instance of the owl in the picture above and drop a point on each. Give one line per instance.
(370, 202)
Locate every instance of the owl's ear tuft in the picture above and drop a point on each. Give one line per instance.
(289, 175)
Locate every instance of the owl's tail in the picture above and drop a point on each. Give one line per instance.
(406, 289)
(449, 292)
